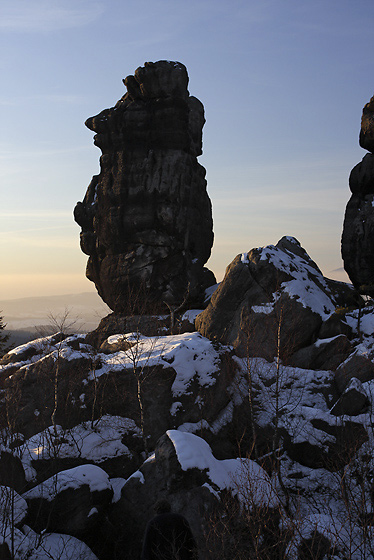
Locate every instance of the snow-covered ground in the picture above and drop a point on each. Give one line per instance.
(288, 403)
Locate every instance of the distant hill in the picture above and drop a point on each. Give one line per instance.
(26, 317)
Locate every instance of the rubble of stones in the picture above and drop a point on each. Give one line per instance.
(146, 219)
(255, 419)
(358, 229)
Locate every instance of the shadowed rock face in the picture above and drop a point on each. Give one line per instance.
(358, 229)
(146, 218)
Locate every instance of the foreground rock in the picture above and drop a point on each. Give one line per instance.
(71, 502)
(146, 218)
(238, 445)
(184, 470)
(272, 302)
(304, 430)
(152, 383)
(358, 228)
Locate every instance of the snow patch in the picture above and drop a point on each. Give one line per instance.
(242, 477)
(89, 475)
(305, 281)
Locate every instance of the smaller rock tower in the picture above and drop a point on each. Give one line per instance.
(358, 228)
(146, 218)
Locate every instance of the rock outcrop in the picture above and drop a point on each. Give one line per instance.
(146, 219)
(195, 411)
(272, 302)
(358, 229)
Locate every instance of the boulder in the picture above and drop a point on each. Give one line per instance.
(25, 352)
(290, 407)
(160, 382)
(147, 325)
(353, 401)
(323, 354)
(359, 366)
(184, 471)
(271, 302)
(367, 127)
(30, 386)
(333, 447)
(71, 502)
(12, 472)
(146, 218)
(116, 343)
(111, 442)
(333, 326)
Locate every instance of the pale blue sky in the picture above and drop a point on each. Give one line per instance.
(283, 83)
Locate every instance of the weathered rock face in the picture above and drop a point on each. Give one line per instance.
(146, 218)
(272, 301)
(358, 229)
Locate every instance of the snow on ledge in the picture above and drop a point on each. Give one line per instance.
(243, 477)
(91, 475)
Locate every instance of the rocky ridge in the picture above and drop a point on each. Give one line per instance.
(251, 432)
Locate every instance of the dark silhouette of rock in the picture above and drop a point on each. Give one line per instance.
(158, 479)
(358, 228)
(12, 472)
(367, 127)
(146, 218)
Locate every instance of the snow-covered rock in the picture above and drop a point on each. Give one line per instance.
(182, 379)
(272, 301)
(71, 501)
(353, 401)
(184, 470)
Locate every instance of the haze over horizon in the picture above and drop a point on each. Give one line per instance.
(283, 85)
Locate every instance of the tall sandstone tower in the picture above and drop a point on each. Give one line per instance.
(358, 229)
(146, 219)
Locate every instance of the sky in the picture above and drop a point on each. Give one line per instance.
(283, 83)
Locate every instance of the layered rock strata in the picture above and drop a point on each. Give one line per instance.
(146, 219)
(358, 229)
